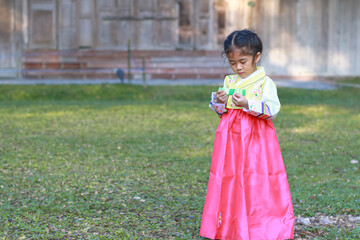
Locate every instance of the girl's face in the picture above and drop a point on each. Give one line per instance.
(241, 64)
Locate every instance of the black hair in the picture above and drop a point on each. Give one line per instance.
(246, 40)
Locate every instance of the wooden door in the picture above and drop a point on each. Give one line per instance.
(203, 24)
(85, 22)
(186, 24)
(43, 25)
(166, 25)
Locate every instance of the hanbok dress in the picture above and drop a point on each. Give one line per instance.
(248, 195)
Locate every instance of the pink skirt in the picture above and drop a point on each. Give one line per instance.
(248, 195)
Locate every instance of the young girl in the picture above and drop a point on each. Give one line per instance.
(248, 195)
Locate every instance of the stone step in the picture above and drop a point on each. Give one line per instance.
(158, 64)
(109, 53)
(148, 71)
(111, 73)
(54, 65)
(188, 76)
(68, 73)
(93, 63)
(123, 65)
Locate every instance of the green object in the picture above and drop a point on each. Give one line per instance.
(240, 91)
(251, 4)
(220, 88)
(231, 91)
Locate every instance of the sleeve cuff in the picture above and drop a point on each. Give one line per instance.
(258, 109)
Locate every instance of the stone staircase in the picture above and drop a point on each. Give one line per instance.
(89, 64)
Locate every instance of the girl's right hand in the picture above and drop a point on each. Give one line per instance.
(221, 96)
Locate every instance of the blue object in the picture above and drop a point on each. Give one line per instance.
(120, 74)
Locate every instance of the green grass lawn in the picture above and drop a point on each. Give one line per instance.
(120, 161)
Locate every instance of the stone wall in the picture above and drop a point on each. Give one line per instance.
(300, 37)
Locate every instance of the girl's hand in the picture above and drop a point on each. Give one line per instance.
(221, 96)
(240, 100)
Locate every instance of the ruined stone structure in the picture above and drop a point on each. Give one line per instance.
(179, 38)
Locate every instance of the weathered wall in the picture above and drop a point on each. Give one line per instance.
(301, 37)
(305, 37)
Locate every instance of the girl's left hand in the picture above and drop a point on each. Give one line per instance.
(240, 100)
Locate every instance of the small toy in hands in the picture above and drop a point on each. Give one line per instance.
(237, 90)
(218, 108)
